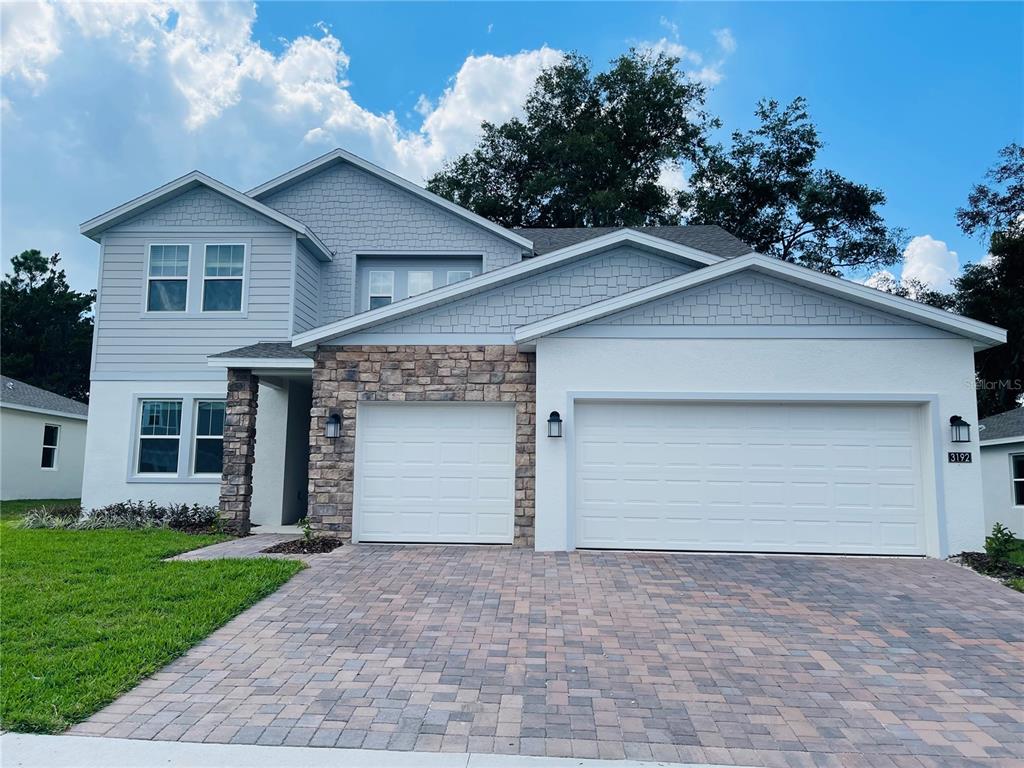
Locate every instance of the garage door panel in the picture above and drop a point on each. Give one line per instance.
(435, 472)
(749, 477)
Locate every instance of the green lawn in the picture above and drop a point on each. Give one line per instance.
(85, 615)
(14, 510)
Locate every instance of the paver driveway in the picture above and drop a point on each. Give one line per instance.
(730, 659)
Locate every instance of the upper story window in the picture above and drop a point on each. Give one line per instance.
(458, 275)
(420, 281)
(223, 270)
(51, 438)
(382, 288)
(167, 288)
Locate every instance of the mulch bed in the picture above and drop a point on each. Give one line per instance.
(316, 546)
(982, 563)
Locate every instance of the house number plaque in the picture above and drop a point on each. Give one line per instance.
(959, 457)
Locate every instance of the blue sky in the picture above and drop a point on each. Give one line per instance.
(103, 102)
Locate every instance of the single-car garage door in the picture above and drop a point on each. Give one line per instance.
(435, 472)
(756, 477)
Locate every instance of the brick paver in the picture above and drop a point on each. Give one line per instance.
(774, 661)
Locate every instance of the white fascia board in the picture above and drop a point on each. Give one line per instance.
(337, 155)
(95, 226)
(294, 364)
(983, 333)
(43, 411)
(499, 277)
(1001, 441)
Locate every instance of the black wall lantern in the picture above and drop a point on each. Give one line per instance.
(554, 425)
(332, 428)
(960, 430)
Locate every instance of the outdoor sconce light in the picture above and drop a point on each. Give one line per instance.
(960, 430)
(554, 425)
(332, 429)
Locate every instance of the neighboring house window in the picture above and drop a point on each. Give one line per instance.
(222, 278)
(457, 275)
(208, 453)
(1017, 470)
(420, 282)
(51, 436)
(382, 288)
(159, 437)
(167, 290)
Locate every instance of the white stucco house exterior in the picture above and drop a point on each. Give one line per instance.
(42, 443)
(340, 344)
(1002, 468)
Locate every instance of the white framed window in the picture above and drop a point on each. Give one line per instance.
(458, 275)
(159, 437)
(51, 439)
(167, 278)
(1017, 475)
(223, 275)
(382, 288)
(208, 437)
(420, 282)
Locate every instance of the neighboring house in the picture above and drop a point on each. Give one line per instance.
(342, 344)
(42, 443)
(1002, 469)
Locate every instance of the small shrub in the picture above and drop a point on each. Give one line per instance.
(131, 515)
(307, 530)
(1001, 543)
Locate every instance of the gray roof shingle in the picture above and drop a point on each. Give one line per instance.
(1003, 425)
(709, 238)
(266, 350)
(14, 392)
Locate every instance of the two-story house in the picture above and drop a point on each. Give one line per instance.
(342, 344)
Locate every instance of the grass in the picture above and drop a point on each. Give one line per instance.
(85, 615)
(11, 511)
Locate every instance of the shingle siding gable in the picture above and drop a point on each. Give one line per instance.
(199, 207)
(354, 213)
(750, 300)
(505, 308)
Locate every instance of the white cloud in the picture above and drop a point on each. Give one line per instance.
(930, 262)
(725, 40)
(30, 41)
(882, 280)
(672, 178)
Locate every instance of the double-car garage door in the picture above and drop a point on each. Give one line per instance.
(760, 477)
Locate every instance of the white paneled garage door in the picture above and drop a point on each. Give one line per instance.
(753, 477)
(435, 472)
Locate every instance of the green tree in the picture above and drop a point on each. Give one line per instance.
(993, 290)
(45, 327)
(589, 150)
(766, 190)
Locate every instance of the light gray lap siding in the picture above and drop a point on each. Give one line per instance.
(549, 293)
(129, 341)
(307, 291)
(355, 213)
(750, 300)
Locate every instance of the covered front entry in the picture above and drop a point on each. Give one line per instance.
(747, 476)
(435, 472)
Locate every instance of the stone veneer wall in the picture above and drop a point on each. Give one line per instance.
(344, 375)
(239, 448)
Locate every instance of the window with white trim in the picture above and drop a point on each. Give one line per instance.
(159, 437)
(51, 439)
(382, 288)
(1017, 472)
(167, 286)
(223, 270)
(420, 282)
(208, 440)
(458, 275)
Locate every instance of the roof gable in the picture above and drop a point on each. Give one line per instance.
(499, 277)
(982, 334)
(335, 156)
(186, 186)
(709, 238)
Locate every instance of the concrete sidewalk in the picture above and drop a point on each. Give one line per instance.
(20, 750)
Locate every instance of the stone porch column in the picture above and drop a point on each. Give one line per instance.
(239, 448)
